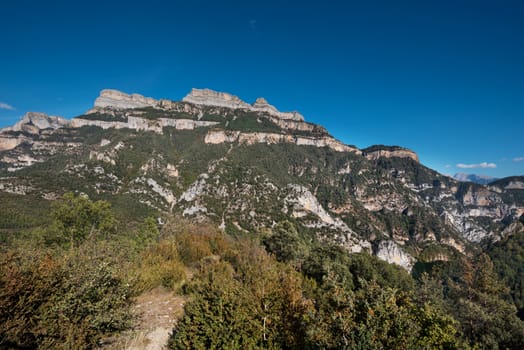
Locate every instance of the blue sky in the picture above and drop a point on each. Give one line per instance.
(444, 78)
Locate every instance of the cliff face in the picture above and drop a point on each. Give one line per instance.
(115, 99)
(118, 99)
(8, 142)
(143, 124)
(221, 136)
(221, 99)
(213, 98)
(33, 123)
(377, 152)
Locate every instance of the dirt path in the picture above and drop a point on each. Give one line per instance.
(158, 311)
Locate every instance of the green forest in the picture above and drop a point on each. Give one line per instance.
(70, 282)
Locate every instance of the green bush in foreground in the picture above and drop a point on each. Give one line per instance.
(64, 302)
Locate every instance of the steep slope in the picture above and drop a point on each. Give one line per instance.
(246, 167)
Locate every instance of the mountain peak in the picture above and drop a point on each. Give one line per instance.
(262, 104)
(209, 97)
(119, 99)
(33, 122)
(110, 98)
(479, 179)
(214, 98)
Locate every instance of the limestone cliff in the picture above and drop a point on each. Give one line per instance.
(118, 99)
(8, 142)
(392, 253)
(380, 151)
(222, 136)
(209, 97)
(143, 124)
(34, 122)
(261, 105)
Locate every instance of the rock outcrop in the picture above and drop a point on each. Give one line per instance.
(34, 122)
(250, 138)
(143, 124)
(118, 99)
(389, 251)
(209, 97)
(376, 152)
(261, 105)
(115, 99)
(8, 142)
(515, 185)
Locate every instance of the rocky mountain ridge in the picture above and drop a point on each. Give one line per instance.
(478, 179)
(246, 167)
(110, 101)
(205, 97)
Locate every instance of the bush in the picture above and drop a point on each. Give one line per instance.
(160, 266)
(60, 302)
(246, 301)
(196, 242)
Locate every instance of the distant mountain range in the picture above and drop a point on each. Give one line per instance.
(478, 179)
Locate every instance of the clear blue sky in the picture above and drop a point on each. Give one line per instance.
(444, 78)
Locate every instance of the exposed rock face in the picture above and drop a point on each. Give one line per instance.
(261, 105)
(118, 99)
(515, 185)
(290, 124)
(31, 123)
(391, 252)
(303, 203)
(137, 123)
(213, 98)
(9, 142)
(481, 197)
(221, 136)
(34, 122)
(109, 98)
(208, 97)
(389, 152)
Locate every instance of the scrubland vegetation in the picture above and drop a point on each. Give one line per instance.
(70, 283)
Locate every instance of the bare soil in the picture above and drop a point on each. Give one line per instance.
(157, 312)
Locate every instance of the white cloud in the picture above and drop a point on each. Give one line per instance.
(6, 106)
(480, 165)
(518, 159)
(447, 166)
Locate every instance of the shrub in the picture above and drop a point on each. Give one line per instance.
(60, 302)
(196, 242)
(160, 266)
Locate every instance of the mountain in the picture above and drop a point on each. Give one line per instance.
(245, 167)
(478, 179)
